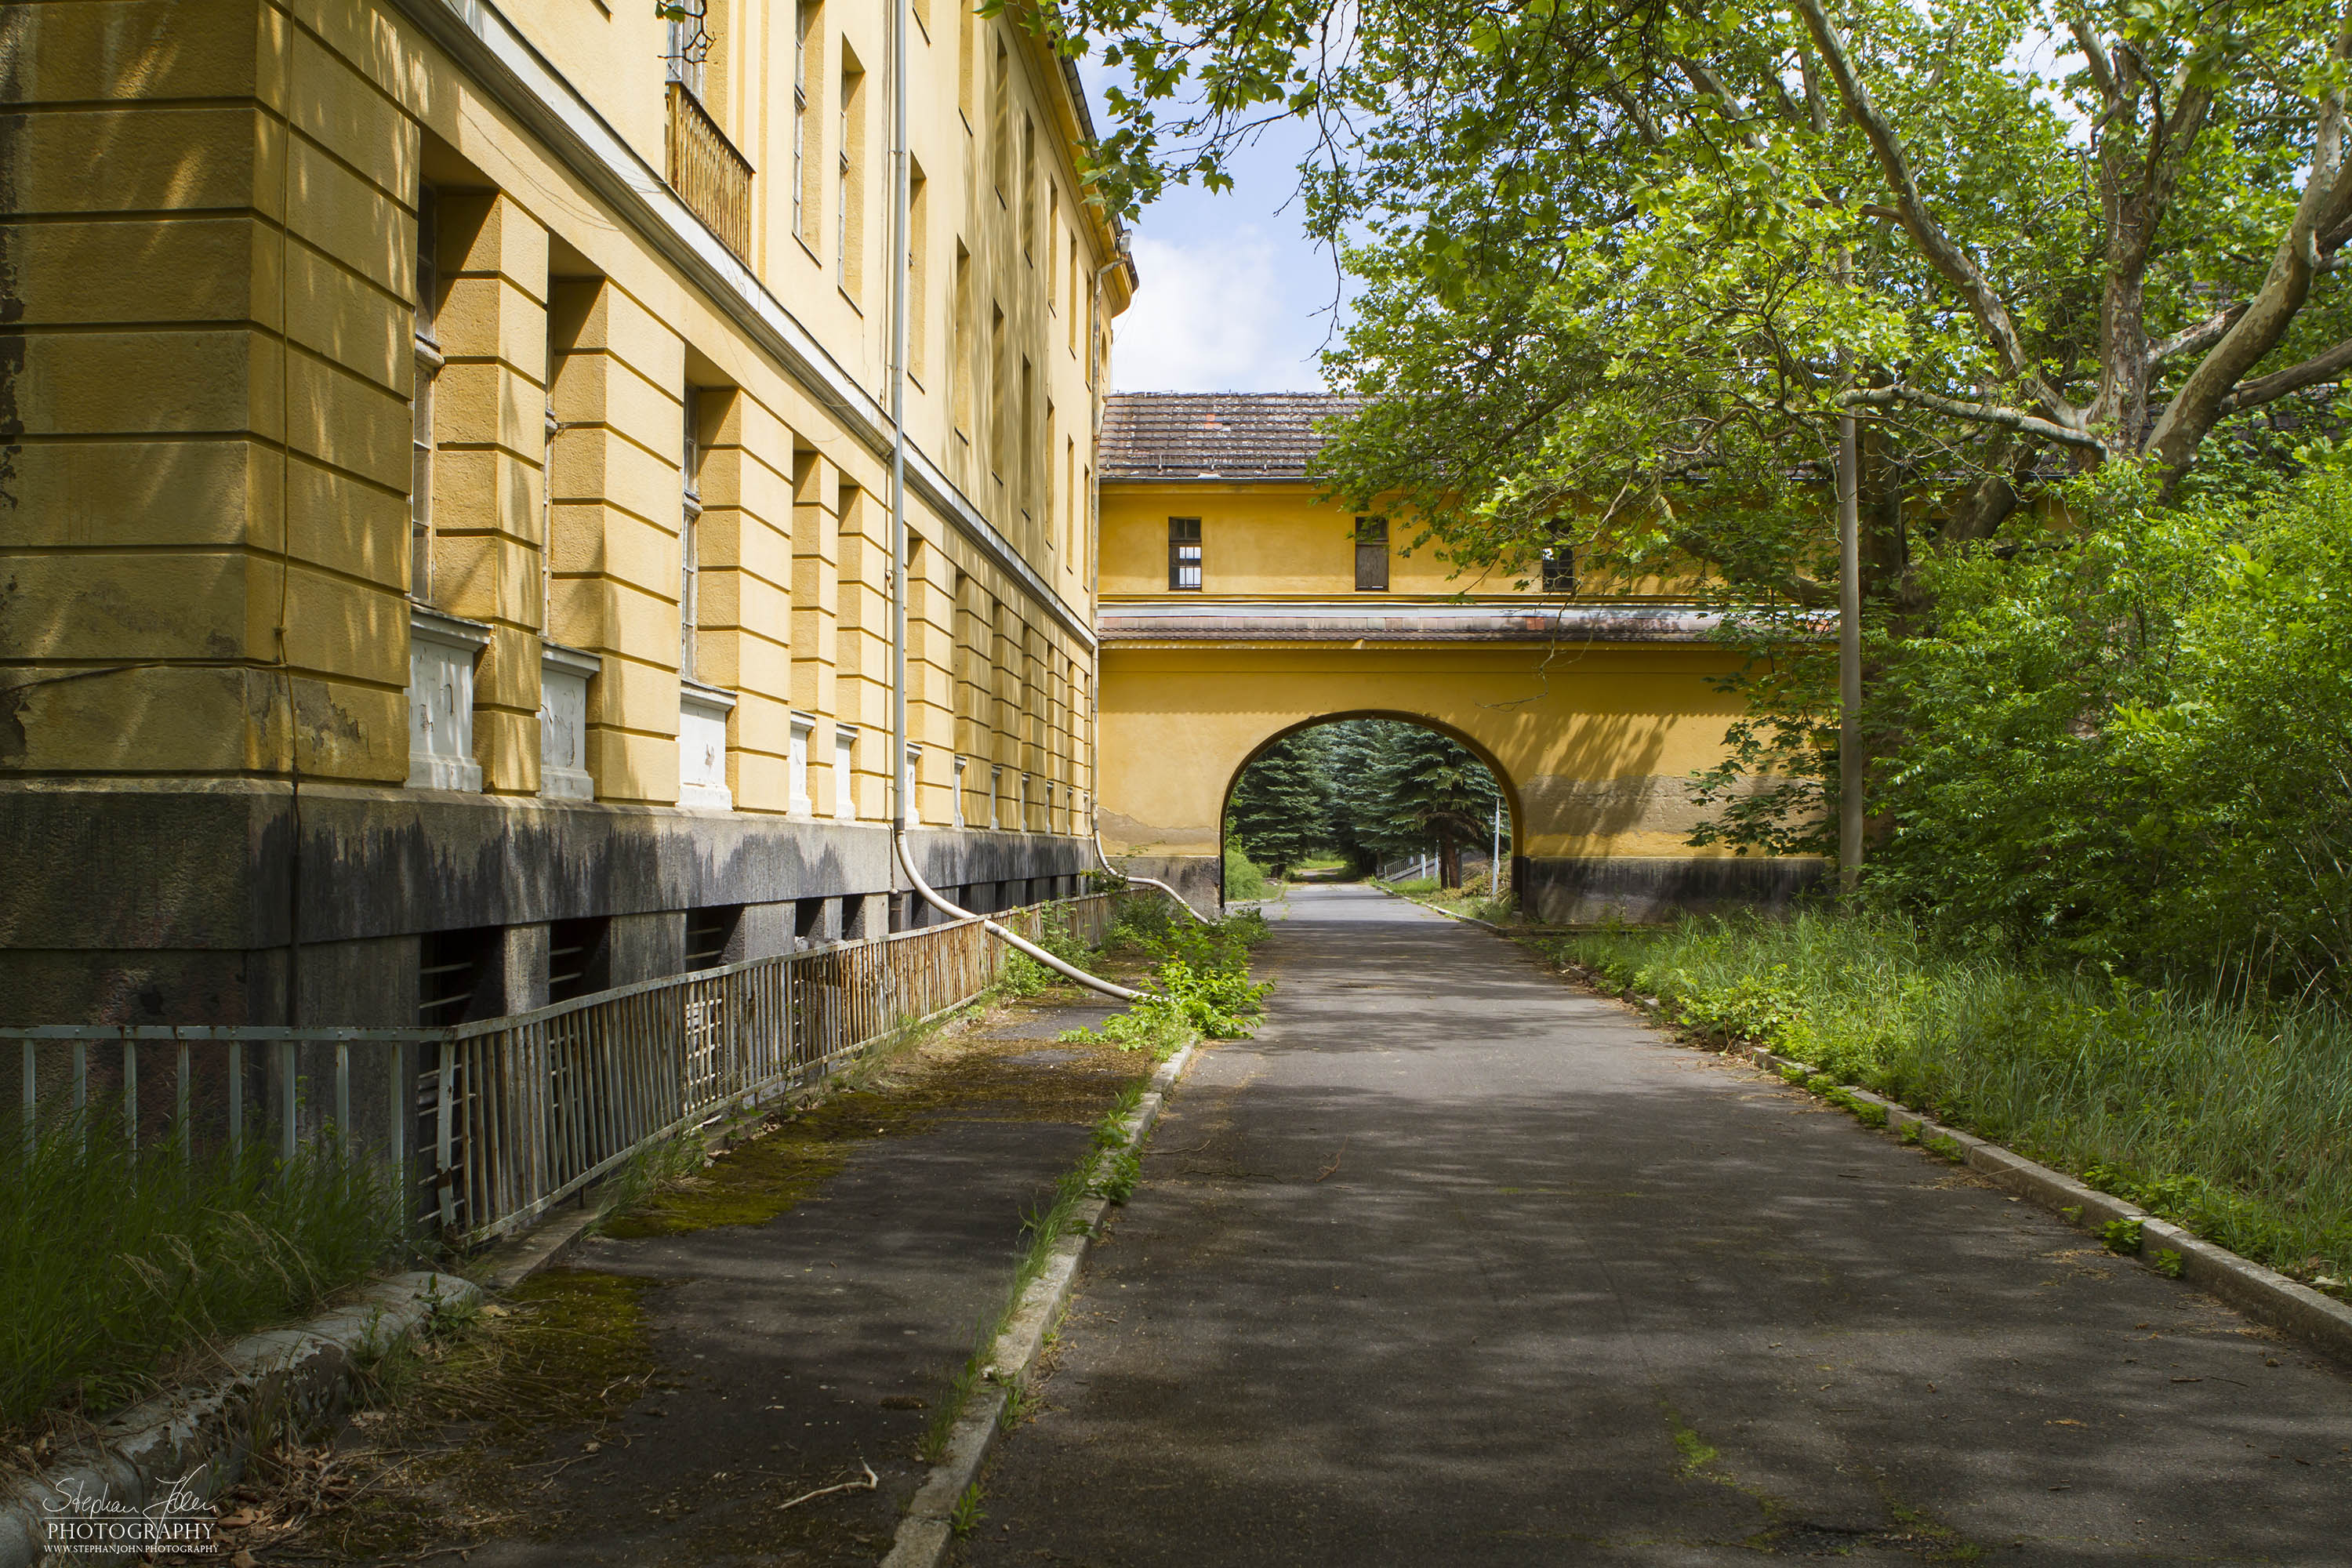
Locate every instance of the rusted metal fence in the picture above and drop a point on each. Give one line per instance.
(706, 170)
(493, 1122)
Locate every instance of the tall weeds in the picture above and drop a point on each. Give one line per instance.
(118, 1267)
(2231, 1115)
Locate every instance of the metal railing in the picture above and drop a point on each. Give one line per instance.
(708, 173)
(492, 1123)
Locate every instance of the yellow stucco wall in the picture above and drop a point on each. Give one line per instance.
(1270, 540)
(206, 524)
(1261, 539)
(1594, 741)
(1595, 745)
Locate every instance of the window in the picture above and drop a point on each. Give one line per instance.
(849, 229)
(802, 16)
(959, 325)
(689, 544)
(688, 47)
(1559, 562)
(1070, 503)
(995, 794)
(1045, 507)
(1029, 190)
(910, 773)
(428, 366)
(916, 253)
(1371, 555)
(998, 377)
(1000, 124)
(800, 802)
(1184, 553)
(967, 62)
(955, 798)
(1052, 254)
(844, 790)
(1074, 294)
(1026, 479)
(579, 961)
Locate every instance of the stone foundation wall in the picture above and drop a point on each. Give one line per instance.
(1641, 890)
(153, 906)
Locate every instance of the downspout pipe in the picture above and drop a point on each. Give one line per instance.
(900, 282)
(1143, 881)
(1013, 939)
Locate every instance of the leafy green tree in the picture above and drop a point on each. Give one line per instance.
(1627, 261)
(1280, 805)
(2131, 743)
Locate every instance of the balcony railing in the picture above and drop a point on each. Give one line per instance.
(706, 170)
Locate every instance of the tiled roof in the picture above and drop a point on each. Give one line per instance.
(1215, 434)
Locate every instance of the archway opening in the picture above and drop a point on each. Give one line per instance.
(1358, 795)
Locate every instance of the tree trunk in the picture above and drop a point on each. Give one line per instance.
(1449, 860)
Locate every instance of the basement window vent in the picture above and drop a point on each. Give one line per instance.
(711, 935)
(579, 961)
(457, 979)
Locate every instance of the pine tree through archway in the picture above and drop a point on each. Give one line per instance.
(1367, 790)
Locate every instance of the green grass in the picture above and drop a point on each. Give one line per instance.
(2232, 1120)
(117, 1265)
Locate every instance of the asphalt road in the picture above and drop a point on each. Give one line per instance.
(1458, 1264)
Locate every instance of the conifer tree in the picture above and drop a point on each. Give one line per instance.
(1281, 806)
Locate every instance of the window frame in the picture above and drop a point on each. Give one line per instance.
(1184, 534)
(1371, 537)
(422, 446)
(689, 530)
(1556, 569)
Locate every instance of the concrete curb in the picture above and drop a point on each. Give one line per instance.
(928, 1530)
(2261, 1293)
(197, 1441)
(516, 1260)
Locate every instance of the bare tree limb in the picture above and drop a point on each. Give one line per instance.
(1945, 255)
(2327, 202)
(1733, 111)
(2103, 70)
(1993, 414)
(2196, 339)
(2318, 368)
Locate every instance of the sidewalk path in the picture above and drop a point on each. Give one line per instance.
(779, 1356)
(1456, 1264)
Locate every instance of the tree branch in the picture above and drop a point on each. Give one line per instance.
(2103, 71)
(2327, 202)
(2196, 339)
(1993, 414)
(1945, 257)
(2318, 368)
(1733, 112)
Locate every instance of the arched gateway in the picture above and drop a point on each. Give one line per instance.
(1237, 607)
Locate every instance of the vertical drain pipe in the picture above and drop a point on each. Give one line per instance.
(900, 280)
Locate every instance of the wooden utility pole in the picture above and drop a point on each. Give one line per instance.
(1850, 758)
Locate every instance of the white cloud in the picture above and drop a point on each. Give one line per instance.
(1216, 314)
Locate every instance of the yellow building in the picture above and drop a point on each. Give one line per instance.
(446, 498)
(1238, 606)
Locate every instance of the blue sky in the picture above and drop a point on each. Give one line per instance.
(1234, 298)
